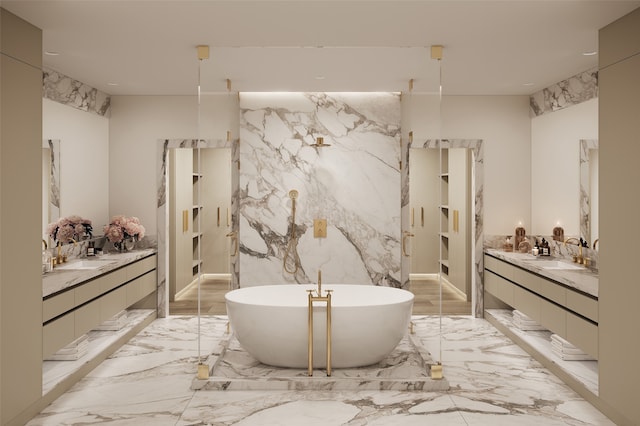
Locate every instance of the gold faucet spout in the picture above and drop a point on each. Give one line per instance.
(579, 258)
(319, 283)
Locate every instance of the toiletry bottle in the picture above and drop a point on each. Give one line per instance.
(536, 249)
(544, 248)
(91, 249)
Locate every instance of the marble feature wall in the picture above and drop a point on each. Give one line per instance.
(585, 187)
(354, 184)
(477, 189)
(65, 90)
(163, 209)
(574, 90)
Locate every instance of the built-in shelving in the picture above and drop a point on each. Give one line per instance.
(444, 212)
(196, 214)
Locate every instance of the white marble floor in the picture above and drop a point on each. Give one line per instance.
(492, 380)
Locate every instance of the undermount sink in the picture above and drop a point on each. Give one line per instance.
(84, 264)
(556, 264)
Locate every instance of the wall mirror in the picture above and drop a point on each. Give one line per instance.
(50, 183)
(589, 189)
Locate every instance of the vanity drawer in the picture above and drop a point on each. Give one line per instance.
(87, 317)
(140, 267)
(527, 303)
(140, 287)
(554, 318)
(499, 267)
(57, 305)
(87, 291)
(527, 280)
(582, 334)
(583, 305)
(112, 303)
(499, 287)
(112, 280)
(57, 334)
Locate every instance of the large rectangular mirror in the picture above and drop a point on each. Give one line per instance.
(50, 183)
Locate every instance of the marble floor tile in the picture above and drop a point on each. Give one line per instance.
(492, 381)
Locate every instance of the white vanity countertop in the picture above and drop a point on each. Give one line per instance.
(58, 280)
(584, 280)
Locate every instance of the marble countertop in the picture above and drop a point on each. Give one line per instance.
(584, 280)
(59, 280)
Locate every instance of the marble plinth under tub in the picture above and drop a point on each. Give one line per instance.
(407, 368)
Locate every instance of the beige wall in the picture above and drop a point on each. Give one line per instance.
(619, 138)
(504, 125)
(20, 209)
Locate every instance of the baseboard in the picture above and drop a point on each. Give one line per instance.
(225, 276)
(423, 276)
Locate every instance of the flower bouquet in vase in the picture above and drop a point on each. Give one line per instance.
(123, 232)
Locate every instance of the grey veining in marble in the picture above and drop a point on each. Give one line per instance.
(477, 171)
(164, 145)
(583, 279)
(68, 91)
(407, 368)
(354, 184)
(572, 91)
(493, 381)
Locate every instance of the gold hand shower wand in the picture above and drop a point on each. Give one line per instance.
(293, 194)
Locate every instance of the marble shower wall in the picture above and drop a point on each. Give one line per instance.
(354, 184)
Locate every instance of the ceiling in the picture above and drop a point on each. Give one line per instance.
(148, 47)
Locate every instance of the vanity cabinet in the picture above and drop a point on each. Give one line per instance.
(69, 314)
(567, 312)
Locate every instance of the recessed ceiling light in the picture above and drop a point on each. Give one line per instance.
(589, 53)
(112, 84)
(51, 53)
(527, 84)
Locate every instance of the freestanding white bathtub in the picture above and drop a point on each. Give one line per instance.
(271, 323)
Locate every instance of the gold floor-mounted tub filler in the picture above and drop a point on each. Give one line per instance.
(319, 298)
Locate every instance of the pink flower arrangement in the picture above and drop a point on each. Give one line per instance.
(122, 227)
(69, 228)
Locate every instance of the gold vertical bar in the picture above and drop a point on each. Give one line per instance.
(185, 220)
(218, 216)
(410, 85)
(310, 342)
(422, 216)
(228, 135)
(412, 216)
(328, 333)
